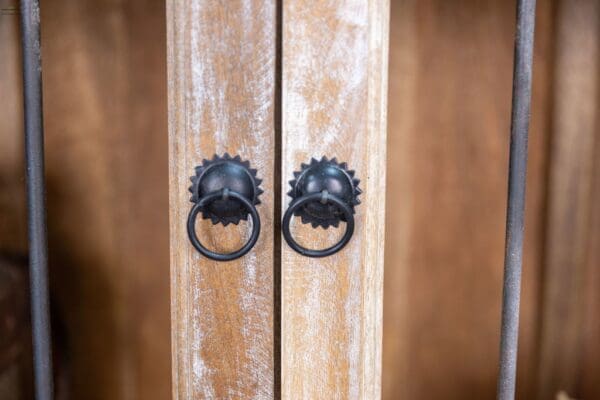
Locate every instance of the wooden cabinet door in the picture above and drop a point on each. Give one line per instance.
(221, 76)
(277, 83)
(334, 77)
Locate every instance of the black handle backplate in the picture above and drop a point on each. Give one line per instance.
(224, 190)
(323, 193)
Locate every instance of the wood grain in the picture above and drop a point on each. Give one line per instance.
(450, 74)
(571, 205)
(221, 63)
(334, 93)
(449, 117)
(106, 163)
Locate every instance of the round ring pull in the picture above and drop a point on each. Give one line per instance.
(223, 194)
(322, 197)
(225, 190)
(324, 193)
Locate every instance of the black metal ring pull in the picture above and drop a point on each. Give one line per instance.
(320, 197)
(323, 193)
(223, 195)
(225, 190)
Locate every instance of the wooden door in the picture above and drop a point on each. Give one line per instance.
(334, 104)
(221, 60)
(277, 84)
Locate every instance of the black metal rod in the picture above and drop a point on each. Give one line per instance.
(34, 152)
(517, 172)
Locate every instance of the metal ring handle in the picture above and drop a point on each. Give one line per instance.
(219, 194)
(322, 196)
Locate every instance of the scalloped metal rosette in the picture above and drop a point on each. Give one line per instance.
(225, 172)
(324, 175)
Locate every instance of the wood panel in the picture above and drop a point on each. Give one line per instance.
(571, 202)
(106, 163)
(221, 63)
(13, 227)
(449, 107)
(590, 364)
(334, 89)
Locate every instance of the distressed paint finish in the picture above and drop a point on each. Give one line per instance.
(221, 73)
(334, 104)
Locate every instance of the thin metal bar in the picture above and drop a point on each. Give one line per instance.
(517, 172)
(34, 152)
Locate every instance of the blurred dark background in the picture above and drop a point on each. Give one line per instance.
(449, 114)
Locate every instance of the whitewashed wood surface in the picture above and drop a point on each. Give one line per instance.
(221, 77)
(334, 104)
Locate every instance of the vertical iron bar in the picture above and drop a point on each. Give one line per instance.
(34, 152)
(517, 171)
